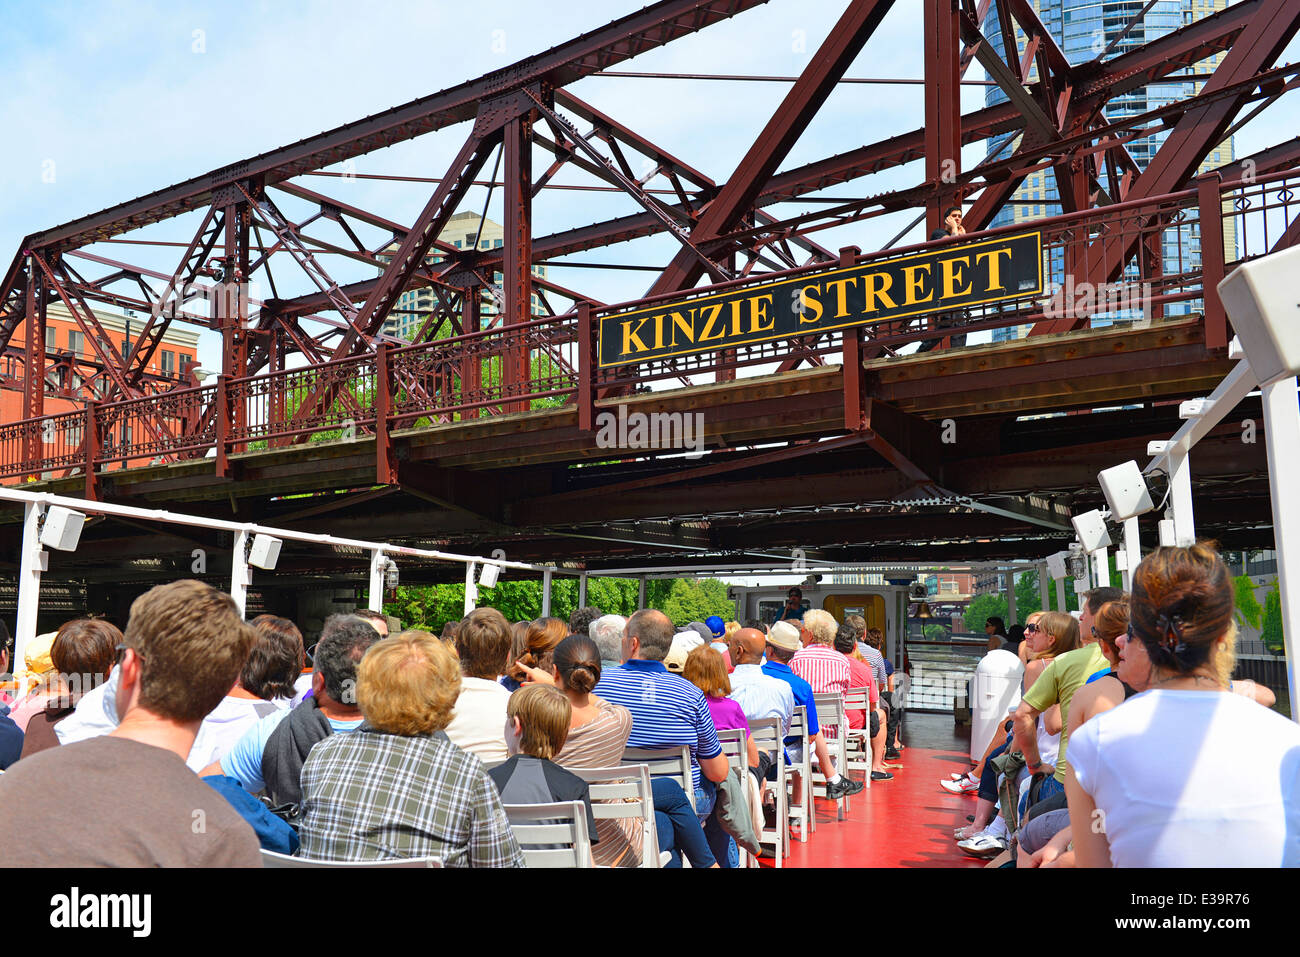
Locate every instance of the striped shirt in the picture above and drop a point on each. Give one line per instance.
(371, 796)
(877, 662)
(667, 710)
(822, 667)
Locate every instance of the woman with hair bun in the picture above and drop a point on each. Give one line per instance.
(598, 734)
(1185, 774)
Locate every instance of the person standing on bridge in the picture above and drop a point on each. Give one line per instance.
(952, 226)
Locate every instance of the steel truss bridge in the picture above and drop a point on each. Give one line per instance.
(483, 428)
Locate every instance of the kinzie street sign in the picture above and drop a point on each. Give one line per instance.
(935, 281)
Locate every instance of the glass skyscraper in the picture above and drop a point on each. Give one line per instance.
(1084, 29)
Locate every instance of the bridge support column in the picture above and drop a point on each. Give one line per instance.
(1042, 587)
(546, 594)
(640, 593)
(517, 265)
(582, 590)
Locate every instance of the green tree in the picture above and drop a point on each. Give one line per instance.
(1272, 635)
(936, 632)
(1248, 609)
(1027, 598)
(689, 601)
(982, 608)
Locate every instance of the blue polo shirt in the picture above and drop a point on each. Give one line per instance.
(667, 710)
(803, 694)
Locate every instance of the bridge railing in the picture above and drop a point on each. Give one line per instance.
(1173, 246)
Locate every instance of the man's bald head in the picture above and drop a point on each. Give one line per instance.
(747, 646)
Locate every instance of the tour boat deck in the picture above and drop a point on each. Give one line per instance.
(906, 822)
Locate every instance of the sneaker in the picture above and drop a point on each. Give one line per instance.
(881, 776)
(964, 786)
(983, 844)
(891, 754)
(843, 788)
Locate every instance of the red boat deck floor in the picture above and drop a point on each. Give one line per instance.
(906, 822)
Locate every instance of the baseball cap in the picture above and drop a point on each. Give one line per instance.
(684, 642)
(717, 626)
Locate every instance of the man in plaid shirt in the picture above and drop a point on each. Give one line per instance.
(397, 787)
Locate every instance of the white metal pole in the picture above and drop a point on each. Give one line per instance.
(31, 563)
(1132, 551)
(239, 573)
(1010, 579)
(1042, 587)
(1282, 441)
(471, 590)
(1180, 497)
(582, 590)
(1060, 594)
(640, 593)
(378, 563)
(1101, 567)
(546, 594)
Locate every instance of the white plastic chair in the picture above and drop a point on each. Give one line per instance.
(766, 733)
(733, 746)
(276, 859)
(803, 811)
(623, 793)
(858, 742)
(833, 724)
(672, 763)
(539, 827)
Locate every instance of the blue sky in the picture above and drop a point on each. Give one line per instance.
(107, 101)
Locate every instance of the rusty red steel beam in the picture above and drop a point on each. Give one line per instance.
(1199, 130)
(159, 322)
(847, 38)
(1196, 41)
(1124, 73)
(617, 41)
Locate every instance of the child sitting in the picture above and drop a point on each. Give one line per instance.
(537, 724)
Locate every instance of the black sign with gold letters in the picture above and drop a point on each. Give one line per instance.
(946, 278)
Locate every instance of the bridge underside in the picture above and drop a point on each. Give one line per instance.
(483, 431)
(955, 465)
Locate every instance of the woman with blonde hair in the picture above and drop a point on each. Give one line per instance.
(1047, 634)
(397, 787)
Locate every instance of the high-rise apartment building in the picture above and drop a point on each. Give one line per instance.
(465, 230)
(1084, 29)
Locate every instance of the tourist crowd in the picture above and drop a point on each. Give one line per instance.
(195, 738)
(1131, 745)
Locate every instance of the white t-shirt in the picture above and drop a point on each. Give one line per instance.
(478, 723)
(1193, 779)
(226, 724)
